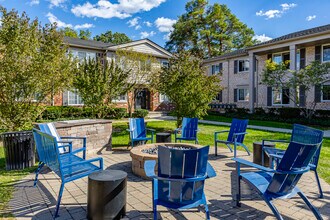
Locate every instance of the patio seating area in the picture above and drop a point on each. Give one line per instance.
(40, 202)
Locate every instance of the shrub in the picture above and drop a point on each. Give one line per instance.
(140, 113)
(116, 113)
(289, 113)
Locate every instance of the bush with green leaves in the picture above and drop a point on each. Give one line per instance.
(140, 113)
(188, 87)
(34, 67)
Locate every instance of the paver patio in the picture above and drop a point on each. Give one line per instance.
(39, 202)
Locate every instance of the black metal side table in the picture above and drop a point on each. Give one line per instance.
(163, 137)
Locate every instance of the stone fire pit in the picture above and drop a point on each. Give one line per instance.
(139, 155)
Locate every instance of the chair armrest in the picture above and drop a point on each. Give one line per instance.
(67, 137)
(129, 130)
(250, 164)
(149, 168)
(149, 129)
(65, 144)
(218, 132)
(85, 161)
(279, 141)
(185, 180)
(78, 150)
(210, 171)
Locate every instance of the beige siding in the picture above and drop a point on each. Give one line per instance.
(145, 48)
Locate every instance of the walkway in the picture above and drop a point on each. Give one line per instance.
(39, 202)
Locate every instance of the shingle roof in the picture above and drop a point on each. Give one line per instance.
(235, 53)
(86, 43)
(297, 34)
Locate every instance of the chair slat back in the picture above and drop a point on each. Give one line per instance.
(49, 128)
(137, 126)
(189, 127)
(296, 157)
(237, 126)
(308, 135)
(47, 149)
(181, 164)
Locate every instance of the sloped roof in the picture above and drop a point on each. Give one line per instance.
(235, 53)
(294, 35)
(93, 44)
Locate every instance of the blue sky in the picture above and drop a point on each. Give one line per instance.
(153, 18)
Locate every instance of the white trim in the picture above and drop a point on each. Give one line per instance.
(281, 104)
(322, 61)
(68, 98)
(246, 91)
(244, 71)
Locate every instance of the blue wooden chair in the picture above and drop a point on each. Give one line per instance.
(138, 131)
(301, 134)
(50, 129)
(180, 180)
(68, 166)
(235, 137)
(188, 130)
(280, 183)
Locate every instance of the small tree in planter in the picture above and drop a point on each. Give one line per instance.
(33, 65)
(187, 86)
(278, 76)
(99, 84)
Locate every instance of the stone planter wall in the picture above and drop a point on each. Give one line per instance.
(97, 131)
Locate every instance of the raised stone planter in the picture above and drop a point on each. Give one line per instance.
(138, 157)
(97, 131)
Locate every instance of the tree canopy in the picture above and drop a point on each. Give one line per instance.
(115, 38)
(82, 34)
(34, 65)
(208, 30)
(187, 86)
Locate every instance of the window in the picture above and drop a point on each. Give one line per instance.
(145, 65)
(163, 98)
(243, 65)
(165, 63)
(326, 53)
(215, 69)
(281, 96)
(243, 94)
(218, 97)
(121, 98)
(282, 57)
(74, 98)
(326, 92)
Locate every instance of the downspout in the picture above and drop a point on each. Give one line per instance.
(228, 73)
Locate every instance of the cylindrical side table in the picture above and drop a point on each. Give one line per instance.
(163, 137)
(106, 197)
(257, 153)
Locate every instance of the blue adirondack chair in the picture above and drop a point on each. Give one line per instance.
(188, 130)
(50, 129)
(235, 137)
(280, 183)
(138, 131)
(68, 166)
(180, 180)
(301, 134)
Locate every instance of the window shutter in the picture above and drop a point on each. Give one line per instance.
(65, 98)
(220, 96)
(210, 70)
(220, 68)
(302, 58)
(318, 53)
(235, 66)
(269, 56)
(269, 96)
(254, 94)
(235, 95)
(317, 93)
(302, 96)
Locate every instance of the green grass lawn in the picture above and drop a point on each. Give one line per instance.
(7, 180)
(206, 137)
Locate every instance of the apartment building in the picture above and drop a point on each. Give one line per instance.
(241, 70)
(84, 49)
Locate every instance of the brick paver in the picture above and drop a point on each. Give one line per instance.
(39, 202)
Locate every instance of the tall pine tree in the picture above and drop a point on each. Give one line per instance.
(209, 30)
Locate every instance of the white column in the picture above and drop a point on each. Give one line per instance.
(251, 81)
(293, 64)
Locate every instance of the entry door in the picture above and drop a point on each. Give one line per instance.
(142, 99)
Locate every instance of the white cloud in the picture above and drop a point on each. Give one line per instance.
(60, 24)
(56, 3)
(34, 2)
(83, 26)
(122, 9)
(164, 24)
(167, 36)
(145, 34)
(147, 23)
(261, 38)
(133, 22)
(276, 13)
(137, 27)
(311, 17)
